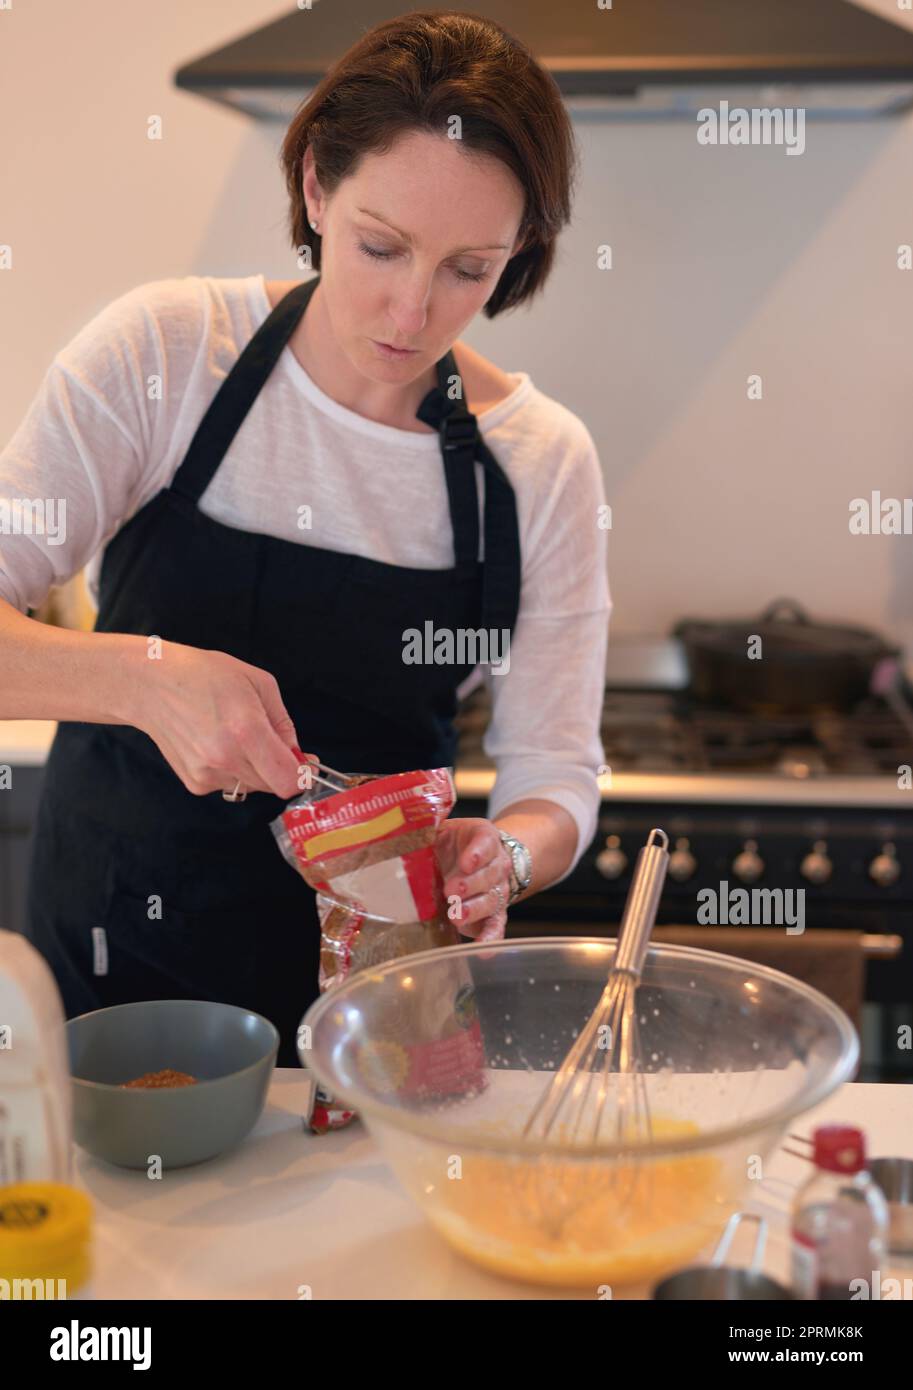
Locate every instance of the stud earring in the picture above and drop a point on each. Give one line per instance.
(314, 226)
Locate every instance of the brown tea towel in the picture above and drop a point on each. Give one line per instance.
(830, 961)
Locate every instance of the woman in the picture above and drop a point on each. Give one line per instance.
(271, 500)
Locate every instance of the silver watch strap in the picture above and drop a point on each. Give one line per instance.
(512, 845)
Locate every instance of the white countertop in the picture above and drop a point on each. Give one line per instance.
(26, 742)
(288, 1209)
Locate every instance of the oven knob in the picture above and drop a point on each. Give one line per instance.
(816, 866)
(612, 861)
(748, 865)
(682, 862)
(884, 868)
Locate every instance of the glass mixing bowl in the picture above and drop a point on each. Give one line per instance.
(444, 1053)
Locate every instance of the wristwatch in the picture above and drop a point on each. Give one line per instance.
(521, 872)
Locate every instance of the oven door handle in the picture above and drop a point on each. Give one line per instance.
(881, 946)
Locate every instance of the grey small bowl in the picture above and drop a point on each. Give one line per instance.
(231, 1052)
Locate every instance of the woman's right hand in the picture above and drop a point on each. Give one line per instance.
(217, 720)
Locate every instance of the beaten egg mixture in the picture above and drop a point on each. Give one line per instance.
(549, 1221)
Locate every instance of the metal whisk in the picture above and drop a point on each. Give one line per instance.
(606, 1055)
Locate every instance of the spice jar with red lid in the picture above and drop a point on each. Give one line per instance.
(839, 1221)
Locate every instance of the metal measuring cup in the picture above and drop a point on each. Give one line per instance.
(895, 1178)
(719, 1281)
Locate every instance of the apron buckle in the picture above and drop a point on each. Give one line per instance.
(459, 431)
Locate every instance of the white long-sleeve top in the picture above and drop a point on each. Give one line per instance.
(114, 417)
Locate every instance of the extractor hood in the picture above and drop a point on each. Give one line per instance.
(612, 58)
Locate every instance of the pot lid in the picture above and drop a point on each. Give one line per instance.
(786, 626)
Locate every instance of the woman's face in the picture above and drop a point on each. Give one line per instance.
(463, 215)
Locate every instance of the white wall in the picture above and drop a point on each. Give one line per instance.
(727, 261)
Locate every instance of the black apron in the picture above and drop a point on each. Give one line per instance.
(139, 889)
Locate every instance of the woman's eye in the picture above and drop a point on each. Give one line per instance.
(465, 275)
(372, 251)
(388, 255)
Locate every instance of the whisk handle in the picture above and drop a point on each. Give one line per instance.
(642, 904)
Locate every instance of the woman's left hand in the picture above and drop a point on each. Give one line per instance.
(474, 863)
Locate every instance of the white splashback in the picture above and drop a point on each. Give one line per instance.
(728, 262)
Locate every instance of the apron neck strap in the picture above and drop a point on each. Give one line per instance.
(237, 393)
(462, 446)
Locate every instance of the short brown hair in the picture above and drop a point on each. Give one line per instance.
(413, 73)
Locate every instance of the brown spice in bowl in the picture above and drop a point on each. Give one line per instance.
(156, 1079)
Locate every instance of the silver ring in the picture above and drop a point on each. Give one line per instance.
(236, 794)
(500, 892)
